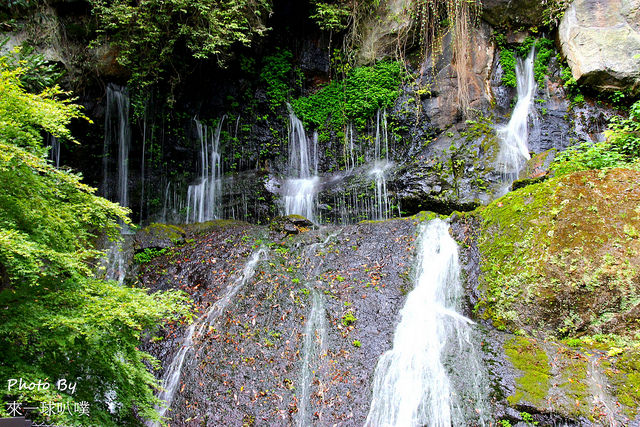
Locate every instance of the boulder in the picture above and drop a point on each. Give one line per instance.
(601, 42)
(158, 236)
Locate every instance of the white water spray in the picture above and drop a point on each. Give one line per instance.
(514, 148)
(412, 384)
(171, 378)
(300, 189)
(314, 347)
(203, 198)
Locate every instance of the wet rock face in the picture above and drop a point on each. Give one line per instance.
(513, 14)
(601, 41)
(246, 367)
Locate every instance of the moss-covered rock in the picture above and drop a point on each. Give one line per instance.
(563, 256)
(158, 236)
(560, 261)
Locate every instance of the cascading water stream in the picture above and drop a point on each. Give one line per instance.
(117, 133)
(313, 349)
(381, 164)
(54, 152)
(171, 378)
(415, 383)
(513, 137)
(300, 188)
(203, 198)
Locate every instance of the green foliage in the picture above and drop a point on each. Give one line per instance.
(57, 321)
(544, 51)
(87, 331)
(621, 149)
(508, 63)
(276, 72)
(554, 11)
(585, 156)
(356, 343)
(331, 17)
(353, 99)
(624, 134)
(36, 73)
(151, 34)
(148, 254)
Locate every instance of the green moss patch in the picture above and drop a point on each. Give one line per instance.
(532, 361)
(354, 99)
(625, 377)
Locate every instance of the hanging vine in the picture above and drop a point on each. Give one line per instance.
(437, 18)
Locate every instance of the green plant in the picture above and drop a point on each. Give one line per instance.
(148, 254)
(348, 318)
(275, 74)
(58, 321)
(624, 133)
(622, 147)
(36, 73)
(554, 11)
(586, 156)
(331, 17)
(352, 100)
(356, 343)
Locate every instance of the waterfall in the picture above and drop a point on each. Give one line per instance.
(314, 347)
(117, 132)
(414, 384)
(54, 151)
(171, 377)
(203, 198)
(513, 137)
(348, 148)
(378, 171)
(300, 188)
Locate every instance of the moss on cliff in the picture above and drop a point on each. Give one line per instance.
(561, 259)
(532, 361)
(563, 256)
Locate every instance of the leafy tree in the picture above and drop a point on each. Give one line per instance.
(151, 35)
(56, 320)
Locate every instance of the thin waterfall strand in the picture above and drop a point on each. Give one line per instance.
(171, 378)
(313, 348)
(117, 132)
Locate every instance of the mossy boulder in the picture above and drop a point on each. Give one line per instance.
(560, 272)
(563, 257)
(158, 236)
(290, 224)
